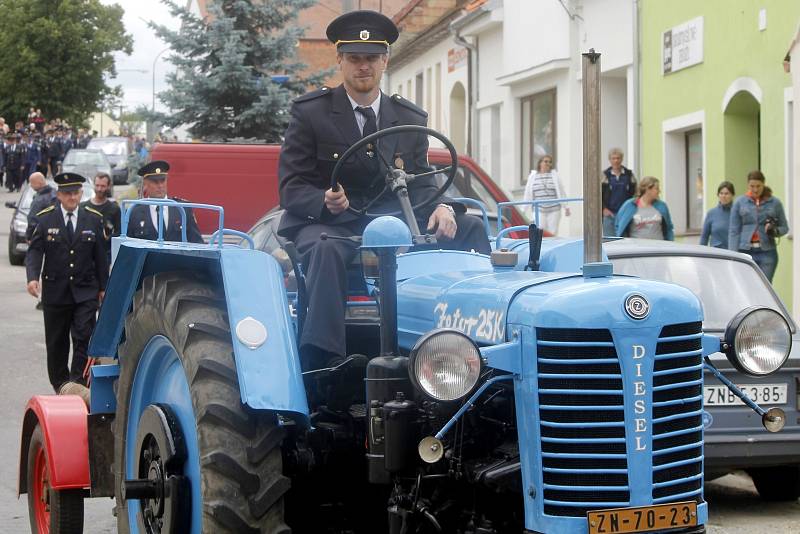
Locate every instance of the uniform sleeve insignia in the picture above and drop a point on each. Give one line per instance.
(48, 208)
(313, 94)
(92, 210)
(397, 99)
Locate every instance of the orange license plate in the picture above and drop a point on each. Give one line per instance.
(643, 518)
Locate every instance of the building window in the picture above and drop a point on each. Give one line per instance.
(788, 200)
(694, 180)
(418, 93)
(538, 129)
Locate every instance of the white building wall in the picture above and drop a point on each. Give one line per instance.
(435, 99)
(526, 47)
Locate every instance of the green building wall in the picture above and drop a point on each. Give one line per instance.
(733, 47)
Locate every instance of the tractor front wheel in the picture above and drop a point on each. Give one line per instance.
(51, 511)
(189, 456)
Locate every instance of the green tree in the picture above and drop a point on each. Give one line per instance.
(224, 85)
(55, 55)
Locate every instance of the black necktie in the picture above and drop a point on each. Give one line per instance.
(371, 126)
(70, 229)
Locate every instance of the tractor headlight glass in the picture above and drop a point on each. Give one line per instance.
(759, 341)
(445, 365)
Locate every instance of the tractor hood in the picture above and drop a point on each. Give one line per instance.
(482, 304)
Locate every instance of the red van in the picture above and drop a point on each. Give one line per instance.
(244, 180)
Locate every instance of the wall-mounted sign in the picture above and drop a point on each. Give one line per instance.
(456, 58)
(682, 46)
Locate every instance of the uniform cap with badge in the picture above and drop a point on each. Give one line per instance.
(362, 32)
(155, 170)
(69, 181)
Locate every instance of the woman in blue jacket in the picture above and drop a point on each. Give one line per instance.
(645, 216)
(717, 223)
(757, 218)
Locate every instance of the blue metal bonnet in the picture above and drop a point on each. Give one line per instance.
(386, 232)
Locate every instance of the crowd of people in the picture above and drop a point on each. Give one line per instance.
(750, 224)
(36, 146)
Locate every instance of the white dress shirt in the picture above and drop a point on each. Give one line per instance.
(74, 217)
(360, 118)
(154, 216)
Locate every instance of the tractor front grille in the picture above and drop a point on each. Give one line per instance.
(678, 414)
(582, 421)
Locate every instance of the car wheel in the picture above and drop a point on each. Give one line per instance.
(778, 483)
(14, 257)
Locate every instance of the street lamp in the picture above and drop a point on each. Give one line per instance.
(153, 109)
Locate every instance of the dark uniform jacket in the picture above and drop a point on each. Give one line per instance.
(140, 224)
(14, 157)
(73, 271)
(322, 126)
(44, 198)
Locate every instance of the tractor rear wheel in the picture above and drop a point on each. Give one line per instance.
(51, 511)
(177, 366)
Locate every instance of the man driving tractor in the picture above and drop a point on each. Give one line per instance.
(323, 124)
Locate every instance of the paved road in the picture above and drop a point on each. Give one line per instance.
(736, 508)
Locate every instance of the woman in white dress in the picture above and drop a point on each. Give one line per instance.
(544, 184)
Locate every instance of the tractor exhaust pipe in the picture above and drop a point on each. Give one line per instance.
(592, 202)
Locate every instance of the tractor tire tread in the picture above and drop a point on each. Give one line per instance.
(242, 492)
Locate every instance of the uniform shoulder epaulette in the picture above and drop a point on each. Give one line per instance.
(313, 94)
(48, 208)
(408, 104)
(92, 210)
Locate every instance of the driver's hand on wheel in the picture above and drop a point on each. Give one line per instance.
(336, 201)
(443, 222)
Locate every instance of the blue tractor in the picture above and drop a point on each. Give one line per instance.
(529, 391)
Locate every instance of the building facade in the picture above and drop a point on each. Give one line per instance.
(505, 83)
(792, 64)
(717, 104)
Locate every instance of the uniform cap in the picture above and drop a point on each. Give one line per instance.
(69, 181)
(155, 170)
(362, 32)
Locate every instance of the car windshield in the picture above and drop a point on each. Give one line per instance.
(84, 157)
(465, 184)
(724, 286)
(27, 198)
(110, 147)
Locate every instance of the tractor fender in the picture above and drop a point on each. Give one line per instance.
(269, 373)
(63, 419)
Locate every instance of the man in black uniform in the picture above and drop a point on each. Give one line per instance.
(323, 125)
(143, 221)
(14, 161)
(69, 241)
(52, 150)
(45, 195)
(102, 202)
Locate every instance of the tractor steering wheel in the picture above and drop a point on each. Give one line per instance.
(397, 179)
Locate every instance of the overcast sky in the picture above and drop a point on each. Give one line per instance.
(138, 85)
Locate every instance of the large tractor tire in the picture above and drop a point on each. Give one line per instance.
(51, 511)
(177, 362)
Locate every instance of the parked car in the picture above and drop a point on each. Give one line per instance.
(116, 150)
(727, 282)
(86, 162)
(243, 179)
(17, 245)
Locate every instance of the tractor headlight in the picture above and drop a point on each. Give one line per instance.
(445, 365)
(758, 341)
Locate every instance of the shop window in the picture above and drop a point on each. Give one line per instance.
(694, 180)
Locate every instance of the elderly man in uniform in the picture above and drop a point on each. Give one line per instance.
(322, 126)
(69, 240)
(143, 221)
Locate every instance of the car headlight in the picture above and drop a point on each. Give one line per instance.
(758, 341)
(445, 365)
(20, 223)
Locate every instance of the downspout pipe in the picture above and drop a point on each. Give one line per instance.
(472, 82)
